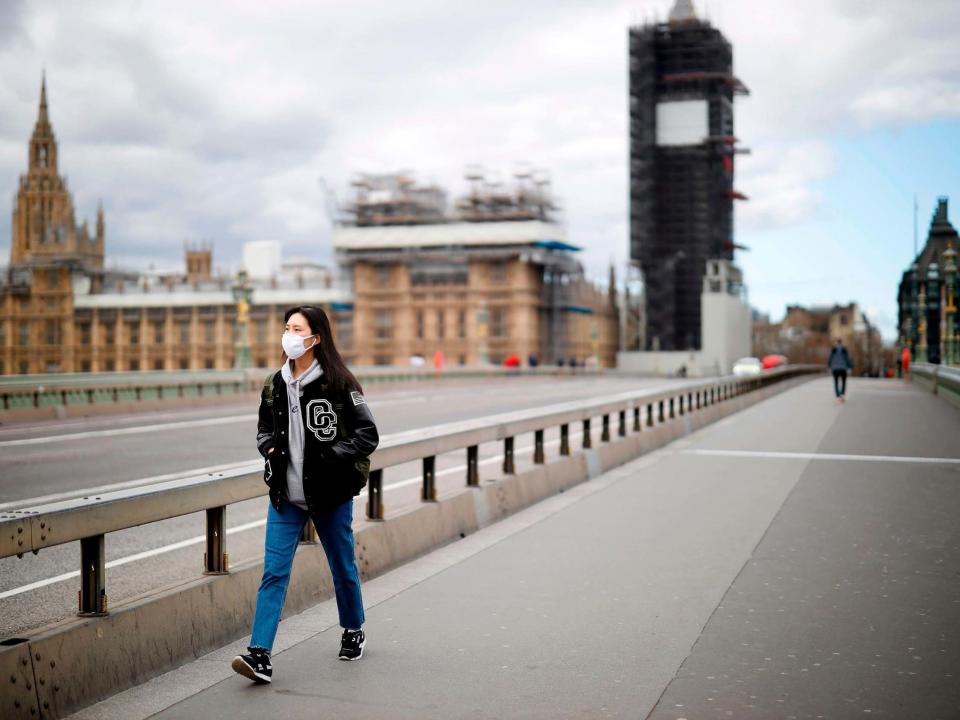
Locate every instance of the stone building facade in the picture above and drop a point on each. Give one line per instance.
(495, 278)
(806, 335)
(61, 311)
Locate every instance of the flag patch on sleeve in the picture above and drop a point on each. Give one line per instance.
(357, 398)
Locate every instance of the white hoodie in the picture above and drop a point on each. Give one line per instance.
(295, 429)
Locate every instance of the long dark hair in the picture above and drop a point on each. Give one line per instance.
(337, 375)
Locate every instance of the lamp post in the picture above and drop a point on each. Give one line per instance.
(950, 345)
(914, 339)
(482, 327)
(933, 314)
(242, 292)
(922, 322)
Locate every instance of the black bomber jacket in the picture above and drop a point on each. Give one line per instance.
(339, 436)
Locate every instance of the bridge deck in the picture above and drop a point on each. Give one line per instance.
(745, 571)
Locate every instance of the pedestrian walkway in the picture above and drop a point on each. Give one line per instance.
(767, 566)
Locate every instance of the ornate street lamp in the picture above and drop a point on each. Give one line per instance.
(914, 339)
(242, 292)
(950, 342)
(922, 322)
(483, 318)
(933, 313)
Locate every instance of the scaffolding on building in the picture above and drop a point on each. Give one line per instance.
(681, 193)
(395, 199)
(490, 200)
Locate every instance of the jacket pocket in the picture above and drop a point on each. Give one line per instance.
(361, 474)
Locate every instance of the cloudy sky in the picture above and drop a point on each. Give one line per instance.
(216, 121)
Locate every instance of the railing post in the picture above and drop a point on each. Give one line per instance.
(660, 417)
(508, 466)
(605, 428)
(429, 491)
(689, 402)
(473, 469)
(215, 559)
(672, 415)
(649, 414)
(587, 440)
(375, 495)
(636, 419)
(698, 399)
(93, 594)
(680, 404)
(565, 439)
(538, 447)
(622, 423)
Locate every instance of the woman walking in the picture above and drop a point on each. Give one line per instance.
(316, 434)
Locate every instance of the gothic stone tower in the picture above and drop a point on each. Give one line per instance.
(49, 254)
(44, 227)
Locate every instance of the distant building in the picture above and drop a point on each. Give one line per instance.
(682, 149)
(927, 296)
(806, 335)
(494, 278)
(61, 311)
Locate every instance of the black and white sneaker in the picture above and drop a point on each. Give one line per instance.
(351, 645)
(254, 665)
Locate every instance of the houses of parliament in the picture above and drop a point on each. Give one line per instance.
(492, 279)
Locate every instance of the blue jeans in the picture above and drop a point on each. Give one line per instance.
(840, 382)
(335, 530)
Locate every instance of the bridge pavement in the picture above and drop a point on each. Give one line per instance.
(798, 559)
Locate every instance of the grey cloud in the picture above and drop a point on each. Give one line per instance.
(205, 120)
(11, 12)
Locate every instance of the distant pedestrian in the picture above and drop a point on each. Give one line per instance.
(905, 361)
(316, 434)
(839, 362)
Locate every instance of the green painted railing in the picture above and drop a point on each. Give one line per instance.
(939, 379)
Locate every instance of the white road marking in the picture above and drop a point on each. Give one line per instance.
(197, 539)
(404, 397)
(83, 492)
(823, 456)
(40, 426)
(137, 429)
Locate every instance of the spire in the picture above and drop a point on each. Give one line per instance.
(43, 144)
(940, 214)
(42, 117)
(683, 12)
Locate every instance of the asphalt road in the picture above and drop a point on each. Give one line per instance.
(59, 459)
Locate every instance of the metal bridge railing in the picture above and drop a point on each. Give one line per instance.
(937, 378)
(72, 389)
(89, 519)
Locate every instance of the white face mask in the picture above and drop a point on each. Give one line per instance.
(293, 344)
